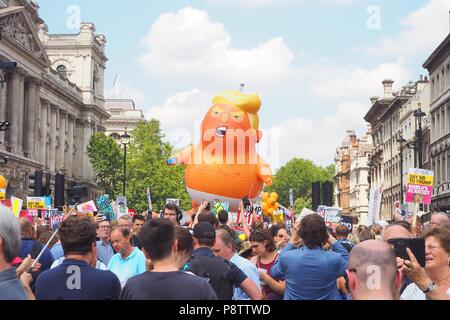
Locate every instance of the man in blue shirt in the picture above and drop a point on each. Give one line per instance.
(129, 261)
(10, 286)
(311, 273)
(75, 278)
(224, 248)
(104, 249)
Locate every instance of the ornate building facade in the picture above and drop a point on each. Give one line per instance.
(438, 65)
(124, 117)
(352, 169)
(53, 99)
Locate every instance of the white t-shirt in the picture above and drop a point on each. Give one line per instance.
(412, 292)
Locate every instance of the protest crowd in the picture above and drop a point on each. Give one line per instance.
(208, 255)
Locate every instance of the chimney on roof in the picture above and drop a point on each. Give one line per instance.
(374, 99)
(388, 92)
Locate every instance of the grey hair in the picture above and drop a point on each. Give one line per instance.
(10, 233)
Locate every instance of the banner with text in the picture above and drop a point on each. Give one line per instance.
(420, 186)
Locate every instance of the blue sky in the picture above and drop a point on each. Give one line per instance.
(315, 63)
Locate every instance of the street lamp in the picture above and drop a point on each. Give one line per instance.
(125, 140)
(419, 114)
(401, 140)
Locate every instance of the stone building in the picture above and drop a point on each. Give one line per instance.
(53, 99)
(124, 117)
(352, 168)
(438, 65)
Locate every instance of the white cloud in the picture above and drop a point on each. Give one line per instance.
(423, 30)
(329, 81)
(181, 115)
(188, 46)
(317, 140)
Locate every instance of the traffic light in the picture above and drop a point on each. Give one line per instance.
(59, 190)
(35, 183)
(75, 194)
(316, 195)
(47, 190)
(327, 193)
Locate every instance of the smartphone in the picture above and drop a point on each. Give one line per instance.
(208, 207)
(416, 245)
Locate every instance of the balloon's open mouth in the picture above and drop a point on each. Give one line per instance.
(221, 132)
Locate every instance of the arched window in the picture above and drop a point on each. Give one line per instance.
(62, 70)
(115, 136)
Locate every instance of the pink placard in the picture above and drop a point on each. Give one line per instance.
(416, 193)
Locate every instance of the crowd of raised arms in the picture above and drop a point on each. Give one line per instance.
(152, 257)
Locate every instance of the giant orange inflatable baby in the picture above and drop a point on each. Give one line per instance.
(225, 165)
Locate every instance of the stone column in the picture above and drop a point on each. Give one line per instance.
(37, 149)
(78, 145)
(44, 129)
(62, 139)
(52, 147)
(86, 164)
(3, 103)
(16, 111)
(30, 128)
(69, 154)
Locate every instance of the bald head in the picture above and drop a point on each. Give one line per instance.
(374, 266)
(439, 220)
(26, 228)
(396, 232)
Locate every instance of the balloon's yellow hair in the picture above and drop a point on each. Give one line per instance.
(249, 103)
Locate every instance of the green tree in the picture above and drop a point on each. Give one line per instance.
(298, 175)
(107, 160)
(146, 168)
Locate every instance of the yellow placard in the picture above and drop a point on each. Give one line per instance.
(278, 216)
(36, 203)
(420, 179)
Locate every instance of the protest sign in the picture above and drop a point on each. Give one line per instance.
(173, 201)
(2, 193)
(420, 186)
(16, 205)
(220, 206)
(348, 222)
(374, 205)
(31, 213)
(48, 203)
(330, 214)
(122, 208)
(104, 207)
(6, 203)
(36, 203)
(87, 207)
(278, 216)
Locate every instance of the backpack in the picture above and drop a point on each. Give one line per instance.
(217, 271)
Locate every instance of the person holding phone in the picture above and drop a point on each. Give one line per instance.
(433, 281)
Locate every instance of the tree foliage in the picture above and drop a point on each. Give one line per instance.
(146, 168)
(298, 175)
(107, 161)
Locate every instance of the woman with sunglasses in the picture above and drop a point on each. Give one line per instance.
(264, 256)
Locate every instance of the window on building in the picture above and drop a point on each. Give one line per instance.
(62, 71)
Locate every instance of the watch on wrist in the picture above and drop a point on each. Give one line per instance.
(430, 287)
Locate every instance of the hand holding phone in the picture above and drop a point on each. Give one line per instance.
(416, 245)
